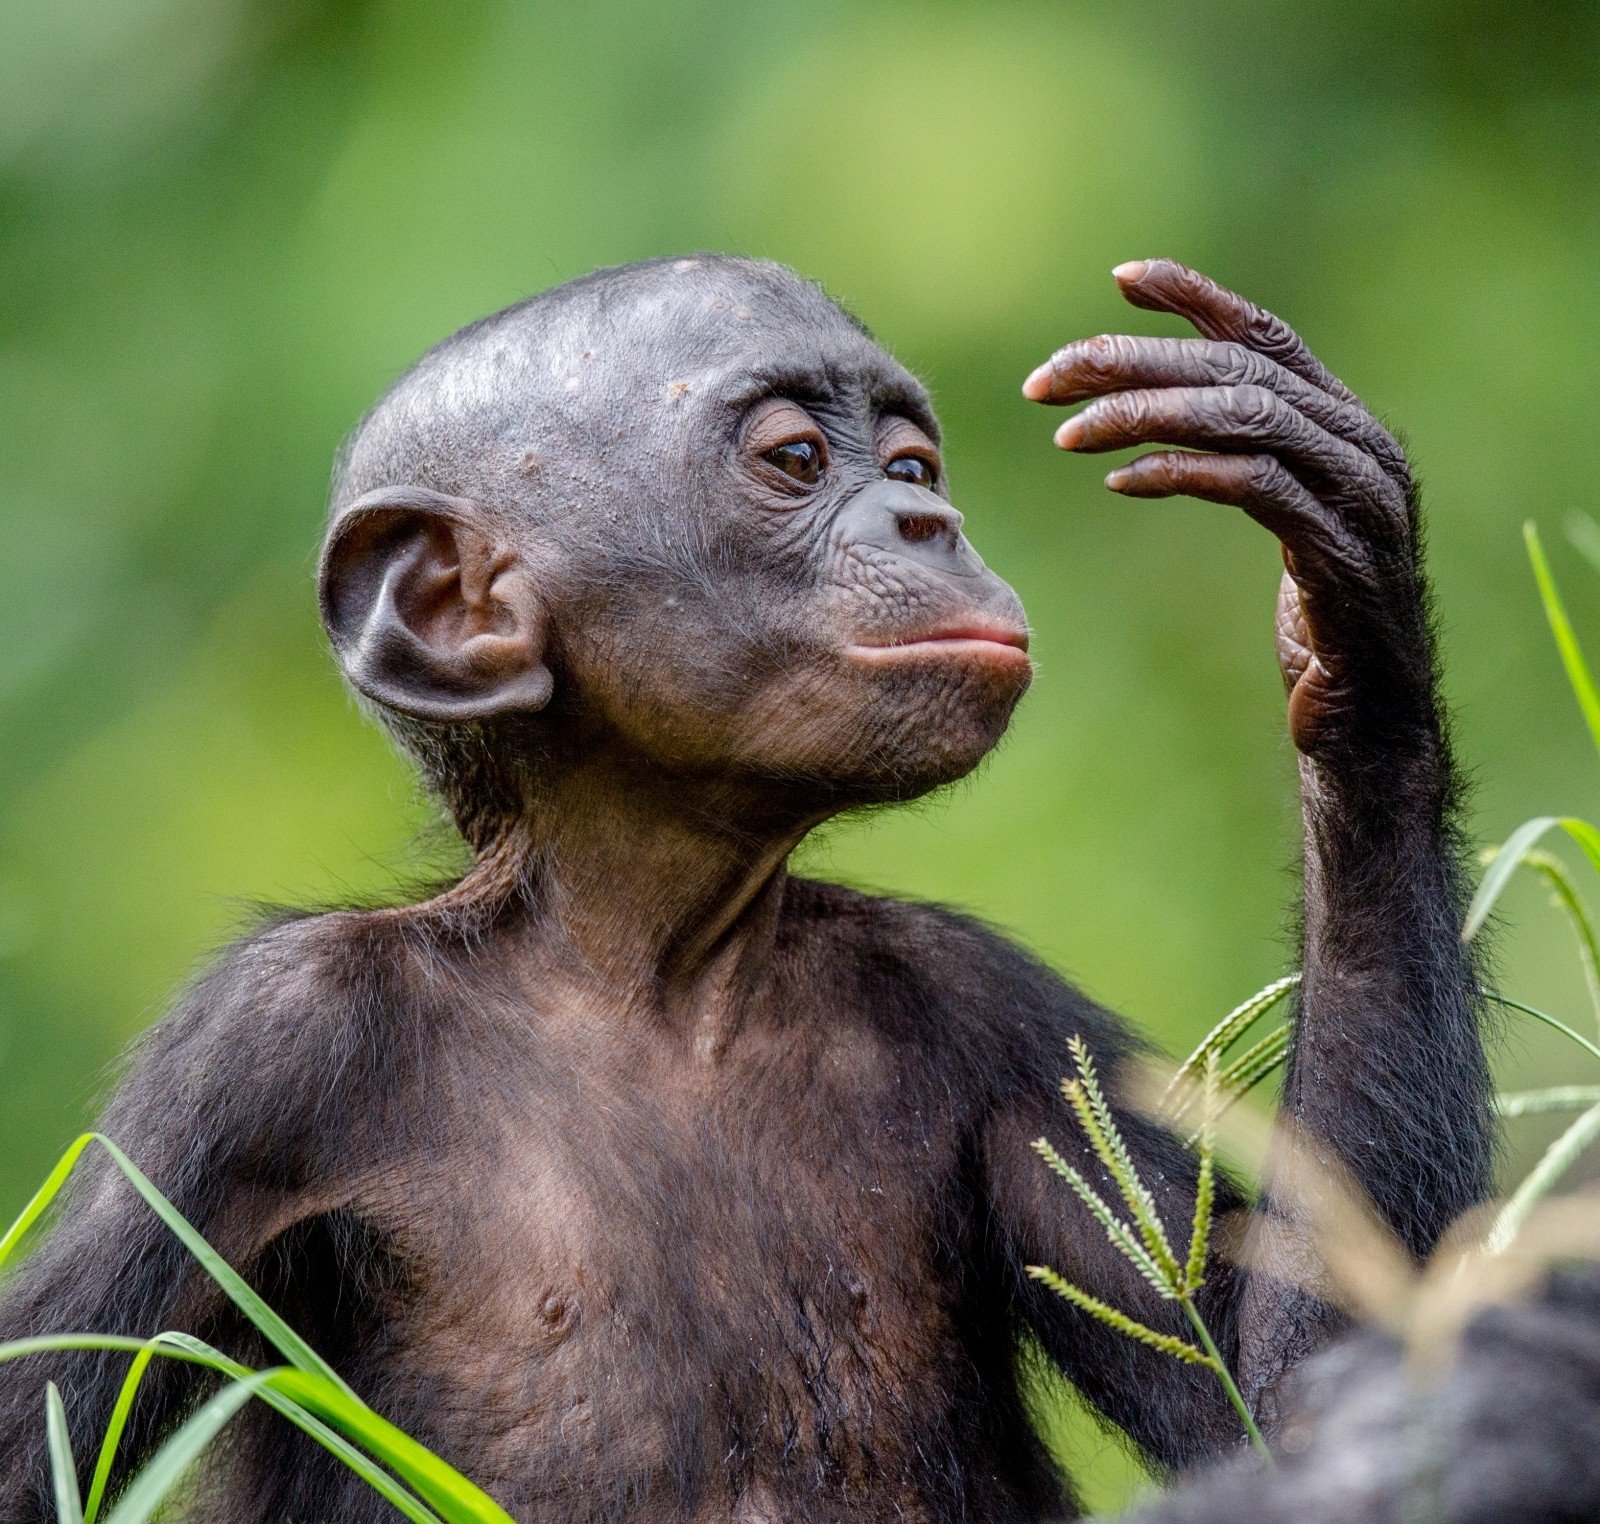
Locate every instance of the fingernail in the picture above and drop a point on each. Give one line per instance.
(1071, 434)
(1037, 387)
(1118, 479)
(1131, 273)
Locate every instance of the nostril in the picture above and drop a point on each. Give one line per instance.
(918, 528)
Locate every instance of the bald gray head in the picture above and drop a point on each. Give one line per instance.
(686, 513)
(530, 405)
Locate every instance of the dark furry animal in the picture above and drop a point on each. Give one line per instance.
(1505, 1432)
(640, 1179)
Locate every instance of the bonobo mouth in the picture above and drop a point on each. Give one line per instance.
(970, 639)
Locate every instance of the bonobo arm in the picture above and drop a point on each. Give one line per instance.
(236, 1110)
(1387, 1074)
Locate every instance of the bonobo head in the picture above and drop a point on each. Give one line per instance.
(685, 515)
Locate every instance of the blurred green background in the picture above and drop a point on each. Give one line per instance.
(226, 225)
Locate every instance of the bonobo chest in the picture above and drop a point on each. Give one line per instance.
(721, 1280)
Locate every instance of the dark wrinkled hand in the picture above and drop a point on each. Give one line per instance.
(1292, 446)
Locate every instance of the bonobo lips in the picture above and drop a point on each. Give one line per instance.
(974, 638)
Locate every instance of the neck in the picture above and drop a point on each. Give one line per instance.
(652, 896)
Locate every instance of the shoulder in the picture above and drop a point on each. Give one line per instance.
(289, 1030)
(286, 982)
(933, 974)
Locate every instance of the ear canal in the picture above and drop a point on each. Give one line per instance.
(430, 614)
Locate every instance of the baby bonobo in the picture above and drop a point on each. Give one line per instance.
(637, 1177)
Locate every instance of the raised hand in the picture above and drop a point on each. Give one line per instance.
(1292, 446)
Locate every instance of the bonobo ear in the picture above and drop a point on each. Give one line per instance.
(431, 613)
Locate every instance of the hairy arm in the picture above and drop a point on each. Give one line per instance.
(1387, 1075)
(234, 1108)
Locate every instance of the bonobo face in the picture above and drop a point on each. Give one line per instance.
(694, 515)
(794, 594)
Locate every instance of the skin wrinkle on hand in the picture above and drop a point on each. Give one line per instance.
(639, 1177)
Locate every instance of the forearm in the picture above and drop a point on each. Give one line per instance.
(1387, 1077)
(1388, 1072)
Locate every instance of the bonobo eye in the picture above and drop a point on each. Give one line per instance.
(908, 455)
(784, 445)
(801, 459)
(913, 469)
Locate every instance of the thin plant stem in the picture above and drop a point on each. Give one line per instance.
(1523, 1103)
(1558, 1158)
(1548, 1020)
(1218, 1364)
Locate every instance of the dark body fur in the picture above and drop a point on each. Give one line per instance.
(786, 1292)
(639, 1179)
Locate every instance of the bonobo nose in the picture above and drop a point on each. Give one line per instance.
(911, 522)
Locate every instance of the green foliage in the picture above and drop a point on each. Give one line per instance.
(1222, 1086)
(1518, 851)
(63, 1469)
(307, 1391)
(1558, 1158)
(1147, 1247)
(1578, 674)
(1109, 1315)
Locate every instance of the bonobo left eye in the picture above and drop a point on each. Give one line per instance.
(907, 453)
(913, 469)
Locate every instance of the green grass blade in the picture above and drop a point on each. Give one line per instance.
(459, 1500)
(283, 1338)
(1564, 894)
(1558, 1158)
(49, 1344)
(1509, 858)
(1205, 1186)
(115, 1426)
(438, 1484)
(380, 1481)
(1527, 1103)
(181, 1346)
(206, 1354)
(1223, 1035)
(1546, 1018)
(1506, 860)
(42, 1197)
(1586, 837)
(63, 1468)
(170, 1464)
(1116, 1230)
(1578, 674)
(1112, 1317)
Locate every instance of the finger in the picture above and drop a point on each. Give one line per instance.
(1121, 362)
(1244, 420)
(1259, 484)
(1163, 285)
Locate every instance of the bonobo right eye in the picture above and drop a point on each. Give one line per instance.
(800, 459)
